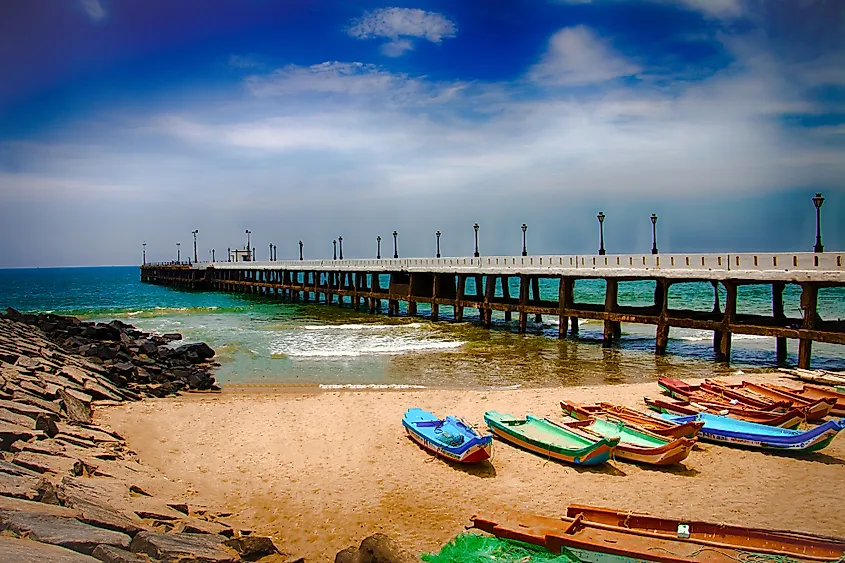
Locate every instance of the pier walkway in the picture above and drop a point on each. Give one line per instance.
(442, 282)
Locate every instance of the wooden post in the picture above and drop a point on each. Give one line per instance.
(535, 289)
(489, 293)
(661, 301)
(506, 295)
(727, 320)
(523, 299)
(562, 319)
(717, 311)
(610, 296)
(435, 308)
(412, 305)
(779, 316)
(809, 305)
(459, 295)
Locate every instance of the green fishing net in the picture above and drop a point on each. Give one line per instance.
(473, 548)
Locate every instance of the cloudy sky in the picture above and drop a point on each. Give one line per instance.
(124, 121)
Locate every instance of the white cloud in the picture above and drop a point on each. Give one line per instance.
(399, 24)
(94, 9)
(721, 9)
(576, 56)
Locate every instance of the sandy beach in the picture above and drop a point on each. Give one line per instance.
(319, 471)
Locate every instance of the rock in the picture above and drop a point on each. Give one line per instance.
(97, 513)
(170, 336)
(26, 487)
(101, 332)
(91, 434)
(125, 369)
(348, 555)
(10, 433)
(31, 411)
(110, 554)
(106, 352)
(64, 532)
(49, 463)
(24, 397)
(203, 547)
(12, 417)
(380, 548)
(28, 363)
(12, 469)
(35, 507)
(201, 349)
(28, 551)
(77, 405)
(252, 547)
(47, 424)
(149, 348)
(197, 526)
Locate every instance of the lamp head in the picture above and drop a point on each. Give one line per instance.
(653, 219)
(818, 200)
(524, 227)
(475, 227)
(600, 217)
(395, 233)
(437, 233)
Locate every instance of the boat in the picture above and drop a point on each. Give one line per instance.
(746, 396)
(817, 376)
(819, 392)
(729, 431)
(678, 389)
(549, 439)
(813, 409)
(597, 542)
(789, 419)
(632, 417)
(449, 438)
(757, 540)
(636, 444)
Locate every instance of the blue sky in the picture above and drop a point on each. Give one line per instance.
(141, 120)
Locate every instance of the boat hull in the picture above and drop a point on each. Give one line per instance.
(630, 416)
(473, 454)
(430, 432)
(790, 419)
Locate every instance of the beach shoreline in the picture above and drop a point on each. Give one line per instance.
(320, 469)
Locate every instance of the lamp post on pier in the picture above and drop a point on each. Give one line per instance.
(818, 200)
(194, 232)
(653, 233)
(437, 234)
(229, 255)
(271, 252)
(475, 228)
(300, 250)
(395, 245)
(378, 252)
(144, 244)
(600, 217)
(212, 256)
(524, 248)
(248, 232)
(340, 246)
(178, 253)
(334, 244)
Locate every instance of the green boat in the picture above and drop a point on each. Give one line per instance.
(551, 440)
(636, 444)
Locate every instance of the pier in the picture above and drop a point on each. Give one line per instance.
(510, 284)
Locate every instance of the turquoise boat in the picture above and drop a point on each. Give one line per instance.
(729, 431)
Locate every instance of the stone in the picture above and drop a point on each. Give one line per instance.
(92, 434)
(37, 390)
(24, 487)
(14, 418)
(12, 469)
(31, 411)
(49, 463)
(24, 397)
(252, 547)
(348, 555)
(77, 405)
(170, 336)
(203, 547)
(10, 433)
(98, 513)
(149, 348)
(48, 425)
(35, 507)
(28, 363)
(197, 526)
(380, 548)
(28, 551)
(201, 349)
(111, 554)
(101, 391)
(64, 532)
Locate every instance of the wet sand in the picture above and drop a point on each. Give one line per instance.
(319, 471)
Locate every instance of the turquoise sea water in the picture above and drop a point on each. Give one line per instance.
(263, 341)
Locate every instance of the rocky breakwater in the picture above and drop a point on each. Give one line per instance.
(72, 491)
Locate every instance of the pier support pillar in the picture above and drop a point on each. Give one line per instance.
(489, 293)
(780, 317)
(435, 308)
(724, 353)
(506, 296)
(809, 306)
(459, 295)
(523, 299)
(564, 301)
(535, 290)
(610, 303)
(661, 302)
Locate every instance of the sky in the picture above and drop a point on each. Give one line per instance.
(132, 121)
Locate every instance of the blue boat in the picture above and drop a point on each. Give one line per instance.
(730, 431)
(449, 438)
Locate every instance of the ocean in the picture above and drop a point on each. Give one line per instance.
(259, 341)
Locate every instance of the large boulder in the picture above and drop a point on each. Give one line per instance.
(28, 551)
(169, 547)
(202, 351)
(64, 532)
(377, 548)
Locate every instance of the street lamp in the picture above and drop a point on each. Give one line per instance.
(178, 254)
(395, 245)
(378, 254)
(275, 253)
(818, 200)
(271, 252)
(653, 233)
(437, 234)
(300, 250)
(194, 232)
(212, 256)
(229, 254)
(340, 246)
(248, 232)
(475, 227)
(600, 217)
(524, 249)
(334, 244)
(144, 244)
